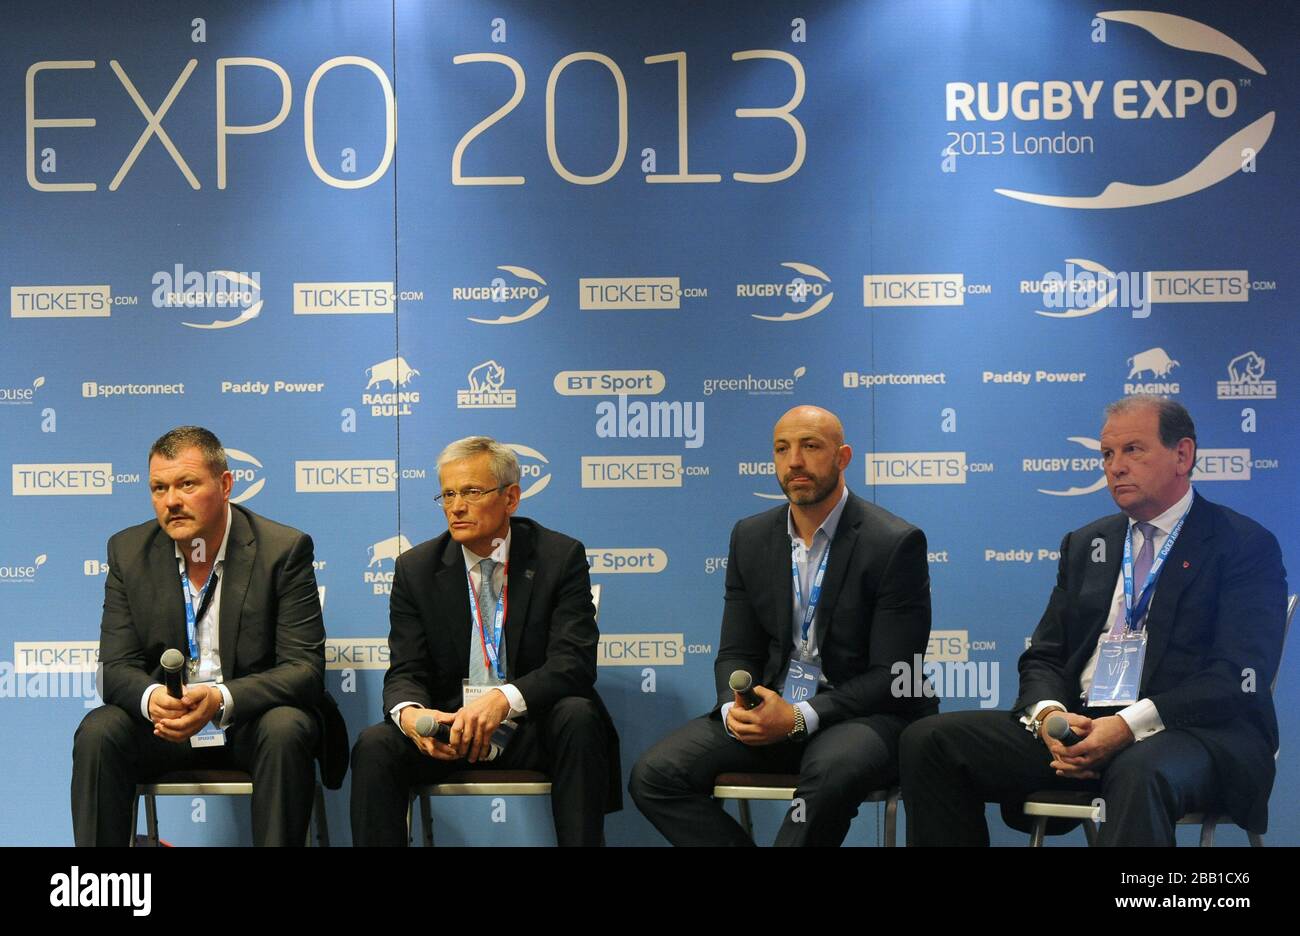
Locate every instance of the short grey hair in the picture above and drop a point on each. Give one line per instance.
(1175, 423)
(502, 460)
(171, 443)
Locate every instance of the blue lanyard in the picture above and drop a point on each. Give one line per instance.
(814, 594)
(191, 619)
(1133, 613)
(492, 651)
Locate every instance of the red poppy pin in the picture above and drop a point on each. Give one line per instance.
(1186, 564)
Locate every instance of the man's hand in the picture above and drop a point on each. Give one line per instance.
(433, 748)
(471, 730)
(179, 719)
(771, 721)
(1102, 739)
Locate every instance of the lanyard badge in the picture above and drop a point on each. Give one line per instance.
(192, 618)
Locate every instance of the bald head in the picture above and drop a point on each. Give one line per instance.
(812, 418)
(810, 455)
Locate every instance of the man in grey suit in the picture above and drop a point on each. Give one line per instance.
(236, 595)
(825, 598)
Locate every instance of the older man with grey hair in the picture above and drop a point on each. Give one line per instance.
(492, 660)
(1157, 649)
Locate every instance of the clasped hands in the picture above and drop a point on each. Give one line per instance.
(471, 727)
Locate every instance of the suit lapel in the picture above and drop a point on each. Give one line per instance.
(846, 538)
(519, 586)
(164, 571)
(1182, 565)
(241, 550)
(778, 563)
(453, 613)
(1097, 591)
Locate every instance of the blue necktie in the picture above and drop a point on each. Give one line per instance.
(481, 672)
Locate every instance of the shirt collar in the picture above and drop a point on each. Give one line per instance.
(500, 555)
(221, 553)
(1166, 522)
(829, 525)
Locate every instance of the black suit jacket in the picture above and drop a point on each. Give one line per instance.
(550, 625)
(1216, 618)
(874, 610)
(270, 633)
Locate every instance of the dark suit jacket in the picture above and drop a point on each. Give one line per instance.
(874, 610)
(271, 635)
(1217, 613)
(550, 626)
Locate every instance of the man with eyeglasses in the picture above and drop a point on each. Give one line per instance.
(493, 635)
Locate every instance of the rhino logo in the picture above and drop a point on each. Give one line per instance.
(1246, 368)
(1154, 360)
(488, 377)
(390, 548)
(395, 370)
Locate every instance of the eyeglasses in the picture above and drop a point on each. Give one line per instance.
(470, 495)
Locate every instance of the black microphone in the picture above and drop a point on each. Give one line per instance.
(743, 684)
(426, 727)
(173, 663)
(1059, 729)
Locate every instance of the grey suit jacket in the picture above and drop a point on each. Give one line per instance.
(271, 634)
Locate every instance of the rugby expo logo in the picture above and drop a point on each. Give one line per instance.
(17, 395)
(1246, 379)
(227, 297)
(512, 302)
(395, 401)
(487, 389)
(1211, 465)
(534, 470)
(1129, 99)
(1087, 287)
(808, 290)
(759, 469)
(245, 469)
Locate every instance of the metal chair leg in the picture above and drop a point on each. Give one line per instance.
(1036, 837)
(891, 822)
(1207, 831)
(135, 819)
(426, 819)
(746, 820)
(1256, 840)
(151, 820)
(319, 820)
(1090, 831)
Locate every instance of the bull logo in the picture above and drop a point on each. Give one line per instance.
(1246, 368)
(395, 370)
(488, 377)
(388, 549)
(1154, 360)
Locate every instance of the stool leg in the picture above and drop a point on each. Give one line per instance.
(1207, 831)
(135, 817)
(891, 821)
(1090, 831)
(1040, 826)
